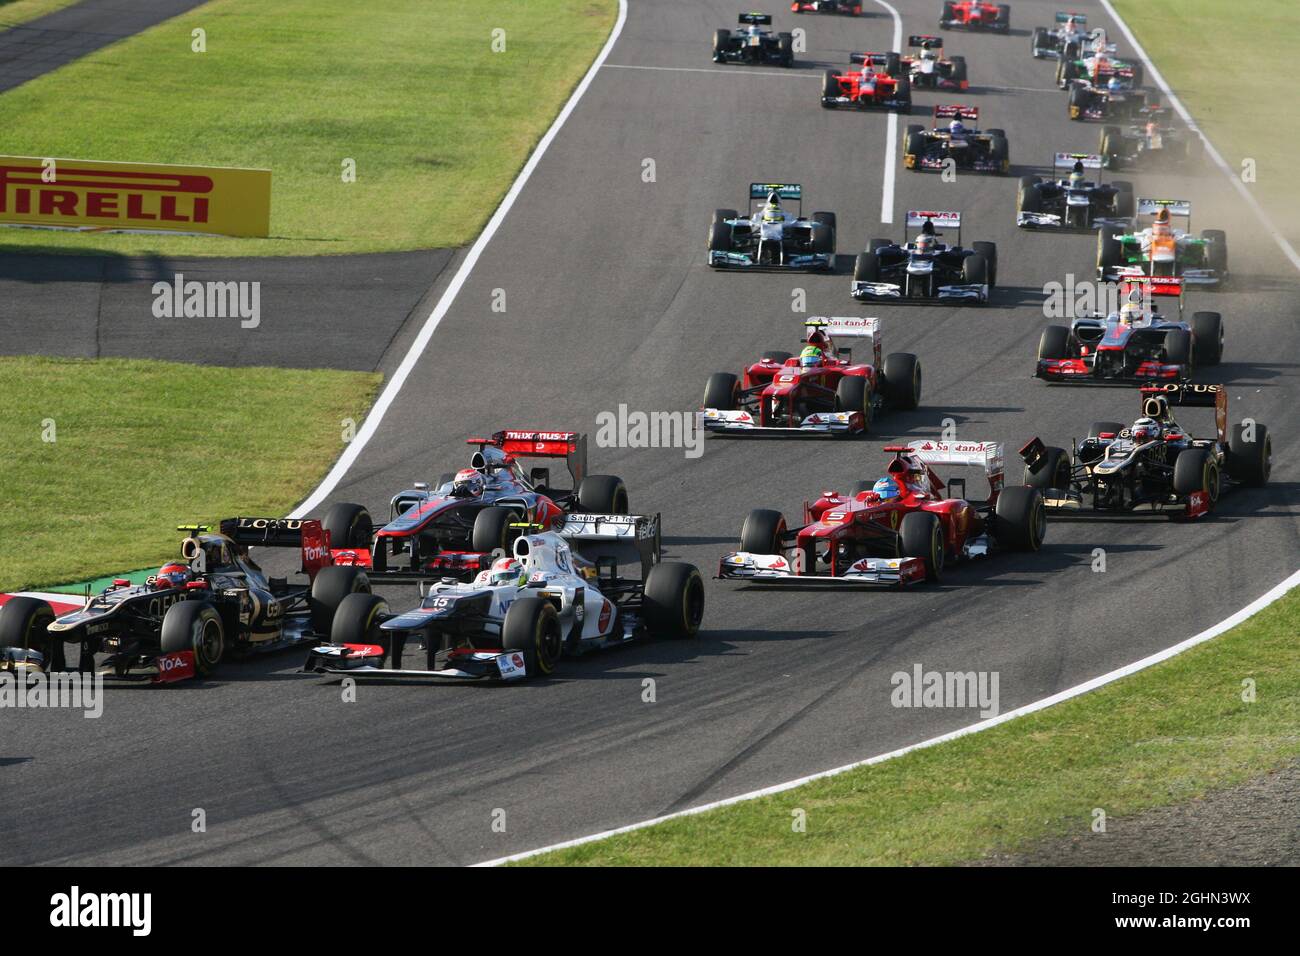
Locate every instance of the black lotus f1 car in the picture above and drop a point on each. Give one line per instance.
(753, 45)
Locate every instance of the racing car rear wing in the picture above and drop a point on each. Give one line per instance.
(1169, 286)
(1064, 17)
(303, 533)
(571, 446)
(849, 327)
(1177, 207)
(784, 190)
(1067, 160)
(982, 454)
(616, 539)
(954, 111)
(917, 218)
(926, 41)
(755, 19)
(869, 59)
(1156, 400)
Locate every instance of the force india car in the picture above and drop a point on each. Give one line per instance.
(1152, 138)
(768, 237)
(780, 395)
(1096, 64)
(864, 539)
(561, 593)
(1069, 203)
(1153, 467)
(929, 69)
(1162, 250)
(848, 8)
(1105, 348)
(184, 623)
(969, 149)
(975, 15)
(1069, 34)
(753, 45)
(880, 84)
(924, 267)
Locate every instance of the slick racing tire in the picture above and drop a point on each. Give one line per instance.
(1038, 41)
(1109, 145)
(893, 63)
(1196, 470)
(830, 86)
(902, 380)
(785, 45)
(532, 628)
(920, 535)
(1125, 201)
(1110, 251)
(721, 44)
(989, 250)
(866, 268)
(853, 395)
(673, 600)
(349, 526)
(1097, 429)
(1020, 518)
(903, 93)
(975, 270)
(195, 626)
(1178, 347)
(1000, 151)
(826, 217)
(1249, 462)
(720, 391)
(1053, 470)
(1054, 343)
(823, 240)
(1080, 97)
(1207, 338)
(720, 215)
(24, 623)
(878, 243)
(1216, 251)
(328, 590)
(603, 495)
(1030, 198)
(762, 532)
(492, 532)
(357, 621)
(958, 73)
(719, 237)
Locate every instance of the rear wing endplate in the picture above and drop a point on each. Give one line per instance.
(755, 19)
(954, 111)
(571, 446)
(625, 538)
(305, 534)
(1067, 160)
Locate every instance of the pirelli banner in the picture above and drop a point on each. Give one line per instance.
(86, 194)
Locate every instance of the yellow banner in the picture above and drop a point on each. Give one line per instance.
(85, 194)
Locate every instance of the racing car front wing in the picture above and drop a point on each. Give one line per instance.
(743, 260)
(1080, 372)
(366, 661)
(894, 291)
(774, 569)
(1050, 220)
(739, 422)
(1201, 277)
(865, 103)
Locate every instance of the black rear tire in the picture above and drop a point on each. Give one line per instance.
(1178, 347)
(1020, 518)
(920, 535)
(532, 628)
(720, 391)
(349, 526)
(1110, 251)
(673, 599)
(1207, 335)
(902, 380)
(1053, 470)
(762, 532)
(1250, 462)
(603, 495)
(196, 626)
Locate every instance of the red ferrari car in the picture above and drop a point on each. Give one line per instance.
(896, 531)
(821, 391)
(883, 83)
(849, 8)
(975, 15)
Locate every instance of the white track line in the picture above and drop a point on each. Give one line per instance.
(1287, 249)
(394, 384)
(1125, 671)
(786, 75)
(891, 136)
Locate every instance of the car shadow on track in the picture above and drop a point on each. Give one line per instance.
(1239, 374)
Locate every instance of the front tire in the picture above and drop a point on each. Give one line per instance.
(1052, 472)
(920, 535)
(24, 623)
(532, 628)
(852, 395)
(720, 391)
(762, 532)
(1020, 518)
(195, 626)
(1207, 337)
(673, 599)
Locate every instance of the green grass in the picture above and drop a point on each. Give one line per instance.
(438, 124)
(1162, 736)
(141, 446)
(14, 12)
(1230, 65)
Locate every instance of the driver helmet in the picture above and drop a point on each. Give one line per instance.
(955, 128)
(1076, 175)
(810, 356)
(772, 211)
(926, 242)
(1130, 312)
(1115, 84)
(1160, 226)
(819, 338)
(887, 488)
(172, 575)
(506, 571)
(468, 483)
(928, 53)
(1145, 430)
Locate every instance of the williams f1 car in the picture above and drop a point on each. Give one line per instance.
(924, 267)
(975, 15)
(1073, 201)
(1151, 139)
(769, 237)
(194, 613)
(822, 391)
(848, 8)
(882, 83)
(930, 69)
(560, 593)
(1134, 343)
(1068, 36)
(753, 45)
(969, 149)
(1162, 250)
(1154, 466)
(900, 530)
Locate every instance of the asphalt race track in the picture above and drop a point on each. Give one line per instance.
(609, 302)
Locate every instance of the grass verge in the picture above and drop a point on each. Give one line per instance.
(141, 446)
(1165, 735)
(437, 122)
(16, 12)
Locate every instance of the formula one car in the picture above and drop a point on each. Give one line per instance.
(821, 391)
(897, 531)
(768, 237)
(924, 267)
(1151, 138)
(970, 149)
(1096, 64)
(1073, 201)
(929, 69)
(1162, 250)
(191, 615)
(1069, 34)
(1154, 466)
(975, 15)
(848, 8)
(1133, 343)
(882, 83)
(1089, 102)
(753, 45)
(561, 593)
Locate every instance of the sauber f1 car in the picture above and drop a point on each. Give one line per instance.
(924, 267)
(1154, 466)
(882, 83)
(975, 15)
(184, 620)
(769, 237)
(822, 391)
(1073, 201)
(969, 149)
(1152, 138)
(454, 528)
(900, 530)
(753, 45)
(1162, 250)
(1134, 343)
(560, 593)
(930, 70)
(848, 8)
(1070, 33)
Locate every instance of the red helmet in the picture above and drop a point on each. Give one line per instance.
(172, 575)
